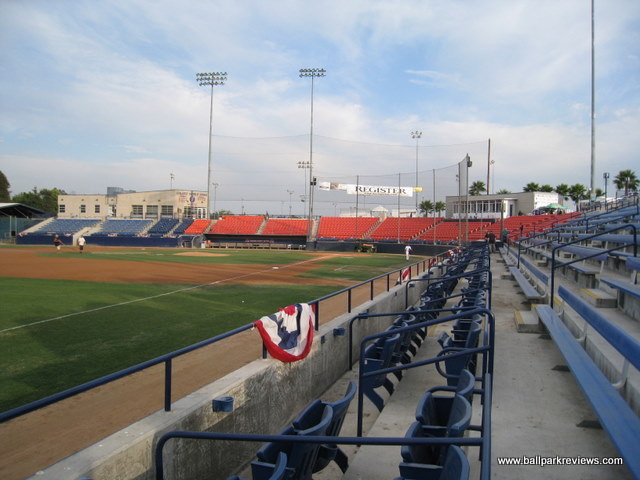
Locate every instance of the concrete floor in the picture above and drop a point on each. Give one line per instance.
(538, 409)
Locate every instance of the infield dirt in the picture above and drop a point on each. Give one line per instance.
(82, 420)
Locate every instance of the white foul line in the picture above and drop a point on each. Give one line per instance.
(155, 296)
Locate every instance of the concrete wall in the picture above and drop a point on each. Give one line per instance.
(267, 395)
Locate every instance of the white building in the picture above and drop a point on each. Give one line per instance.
(492, 206)
(139, 205)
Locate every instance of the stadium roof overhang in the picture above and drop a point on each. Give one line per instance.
(20, 210)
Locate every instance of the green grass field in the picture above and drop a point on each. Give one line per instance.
(55, 334)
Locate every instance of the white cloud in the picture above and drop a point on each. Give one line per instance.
(107, 90)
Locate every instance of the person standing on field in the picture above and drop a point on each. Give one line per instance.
(57, 242)
(81, 243)
(407, 251)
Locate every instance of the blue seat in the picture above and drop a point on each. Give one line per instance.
(455, 467)
(435, 410)
(328, 452)
(457, 423)
(453, 366)
(377, 356)
(301, 457)
(279, 471)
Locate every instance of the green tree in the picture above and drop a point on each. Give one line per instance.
(546, 188)
(44, 199)
(627, 180)
(4, 188)
(439, 207)
(503, 191)
(562, 189)
(578, 192)
(426, 207)
(531, 187)
(477, 188)
(599, 192)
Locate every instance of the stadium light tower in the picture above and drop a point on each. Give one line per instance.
(311, 73)
(210, 78)
(416, 134)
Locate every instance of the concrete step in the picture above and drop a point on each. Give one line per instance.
(526, 321)
(598, 298)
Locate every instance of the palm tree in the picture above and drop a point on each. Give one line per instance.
(578, 192)
(531, 187)
(546, 188)
(477, 188)
(503, 191)
(562, 189)
(439, 207)
(628, 180)
(426, 207)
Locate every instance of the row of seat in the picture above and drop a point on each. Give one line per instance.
(437, 415)
(298, 461)
(446, 411)
(598, 253)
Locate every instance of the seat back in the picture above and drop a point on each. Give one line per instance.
(466, 384)
(456, 465)
(280, 470)
(418, 453)
(340, 408)
(460, 417)
(300, 456)
(303, 455)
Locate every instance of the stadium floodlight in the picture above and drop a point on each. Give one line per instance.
(416, 134)
(311, 73)
(304, 164)
(212, 79)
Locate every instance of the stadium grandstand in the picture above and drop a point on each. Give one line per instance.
(480, 365)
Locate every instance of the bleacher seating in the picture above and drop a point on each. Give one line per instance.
(342, 228)
(198, 226)
(405, 229)
(123, 227)
(616, 416)
(286, 226)
(182, 226)
(163, 226)
(238, 225)
(66, 225)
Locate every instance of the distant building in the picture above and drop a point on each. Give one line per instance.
(119, 203)
(492, 206)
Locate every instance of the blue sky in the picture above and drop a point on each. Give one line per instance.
(97, 94)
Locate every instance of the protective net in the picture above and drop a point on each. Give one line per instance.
(272, 175)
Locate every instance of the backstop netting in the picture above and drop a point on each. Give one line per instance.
(272, 175)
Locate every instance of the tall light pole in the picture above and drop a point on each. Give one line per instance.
(304, 164)
(210, 78)
(605, 175)
(215, 194)
(593, 108)
(416, 134)
(290, 192)
(311, 73)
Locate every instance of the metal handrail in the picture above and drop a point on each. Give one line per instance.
(483, 441)
(485, 348)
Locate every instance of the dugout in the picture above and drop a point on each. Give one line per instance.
(17, 217)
